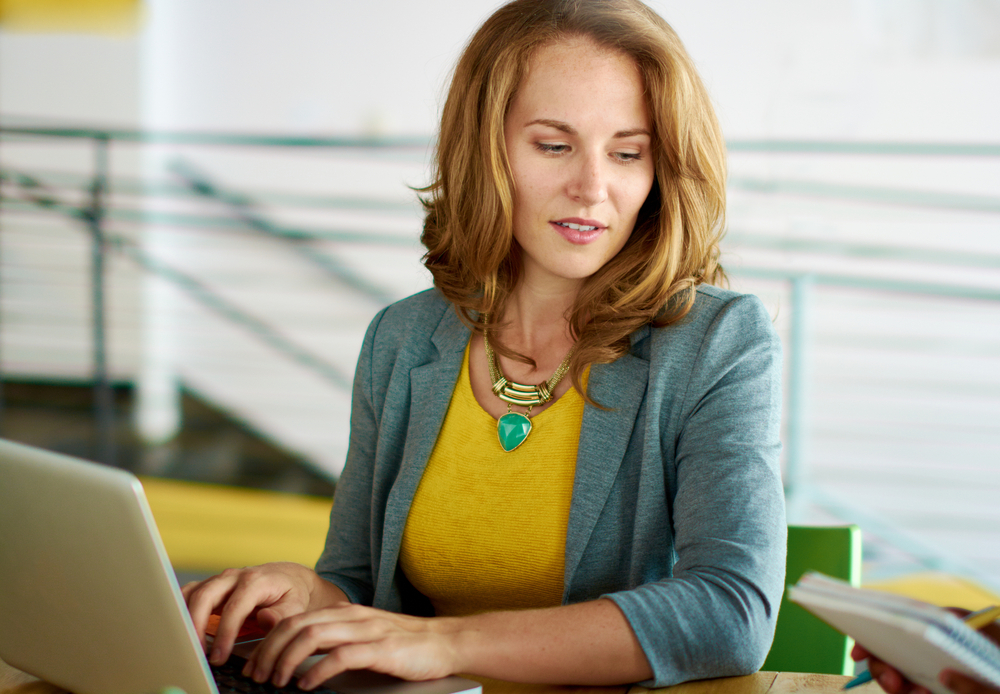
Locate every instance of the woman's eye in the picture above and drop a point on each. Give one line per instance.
(627, 157)
(552, 148)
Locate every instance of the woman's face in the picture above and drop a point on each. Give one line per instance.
(578, 140)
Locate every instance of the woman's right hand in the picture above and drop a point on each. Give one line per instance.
(271, 592)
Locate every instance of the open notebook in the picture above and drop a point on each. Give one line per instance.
(918, 639)
(88, 600)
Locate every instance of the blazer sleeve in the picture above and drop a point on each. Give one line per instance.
(347, 559)
(715, 615)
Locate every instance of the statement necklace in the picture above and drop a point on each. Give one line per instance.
(513, 428)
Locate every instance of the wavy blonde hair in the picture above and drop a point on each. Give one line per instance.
(674, 247)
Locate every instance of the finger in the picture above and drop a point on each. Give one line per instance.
(203, 598)
(888, 678)
(876, 666)
(992, 631)
(963, 684)
(328, 628)
(297, 638)
(241, 603)
(260, 665)
(188, 587)
(261, 662)
(186, 592)
(355, 656)
(859, 652)
(248, 666)
(270, 616)
(298, 649)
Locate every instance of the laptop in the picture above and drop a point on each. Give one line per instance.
(88, 599)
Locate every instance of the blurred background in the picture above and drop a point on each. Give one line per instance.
(203, 204)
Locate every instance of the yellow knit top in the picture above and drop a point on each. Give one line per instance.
(487, 528)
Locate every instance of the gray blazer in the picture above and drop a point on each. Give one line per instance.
(677, 512)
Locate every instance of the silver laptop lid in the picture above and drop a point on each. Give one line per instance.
(88, 600)
(87, 597)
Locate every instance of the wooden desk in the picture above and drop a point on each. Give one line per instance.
(766, 683)
(757, 683)
(16, 682)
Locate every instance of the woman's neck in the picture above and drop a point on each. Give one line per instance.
(535, 319)
(534, 324)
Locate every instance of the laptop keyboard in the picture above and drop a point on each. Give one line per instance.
(230, 680)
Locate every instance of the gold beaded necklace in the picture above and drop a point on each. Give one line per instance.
(513, 428)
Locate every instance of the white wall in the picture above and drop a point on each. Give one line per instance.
(905, 389)
(921, 69)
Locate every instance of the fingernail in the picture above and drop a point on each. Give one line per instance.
(216, 656)
(259, 675)
(246, 669)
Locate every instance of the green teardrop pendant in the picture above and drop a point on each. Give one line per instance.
(512, 429)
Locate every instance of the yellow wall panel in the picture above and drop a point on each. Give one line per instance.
(208, 528)
(85, 16)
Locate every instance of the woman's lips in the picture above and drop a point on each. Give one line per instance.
(578, 231)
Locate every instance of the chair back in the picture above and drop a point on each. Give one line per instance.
(802, 642)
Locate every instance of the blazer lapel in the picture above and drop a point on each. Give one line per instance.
(604, 437)
(431, 386)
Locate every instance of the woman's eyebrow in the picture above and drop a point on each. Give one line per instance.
(570, 130)
(632, 133)
(557, 124)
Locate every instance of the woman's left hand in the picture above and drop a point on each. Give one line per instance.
(963, 684)
(353, 637)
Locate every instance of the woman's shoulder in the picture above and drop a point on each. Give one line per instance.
(712, 299)
(416, 308)
(414, 321)
(718, 316)
(725, 334)
(712, 304)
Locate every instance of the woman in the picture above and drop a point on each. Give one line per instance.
(623, 523)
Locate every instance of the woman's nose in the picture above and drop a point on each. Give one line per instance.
(589, 183)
